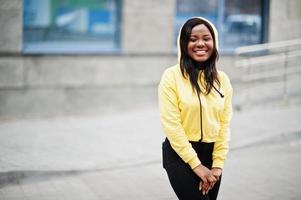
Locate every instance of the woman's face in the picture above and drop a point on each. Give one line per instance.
(200, 45)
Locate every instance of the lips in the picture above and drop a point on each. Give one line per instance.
(200, 52)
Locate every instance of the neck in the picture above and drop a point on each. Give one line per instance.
(199, 66)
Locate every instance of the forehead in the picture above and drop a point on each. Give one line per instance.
(200, 29)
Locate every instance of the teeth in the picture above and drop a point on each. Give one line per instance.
(200, 52)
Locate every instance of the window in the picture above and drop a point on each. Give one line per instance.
(71, 26)
(239, 23)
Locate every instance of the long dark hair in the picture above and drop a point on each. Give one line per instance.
(191, 67)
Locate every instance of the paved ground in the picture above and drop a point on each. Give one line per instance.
(118, 156)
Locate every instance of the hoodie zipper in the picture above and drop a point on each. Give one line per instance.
(201, 118)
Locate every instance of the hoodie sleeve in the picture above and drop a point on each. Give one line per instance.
(221, 146)
(171, 120)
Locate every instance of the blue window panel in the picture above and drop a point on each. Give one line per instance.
(100, 23)
(56, 27)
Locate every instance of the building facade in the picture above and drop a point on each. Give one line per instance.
(53, 80)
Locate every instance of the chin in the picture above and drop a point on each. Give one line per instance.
(201, 60)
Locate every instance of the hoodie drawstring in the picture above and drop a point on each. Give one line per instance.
(201, 111)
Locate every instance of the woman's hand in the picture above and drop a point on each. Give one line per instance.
(217, 172)
(207, 178)
(205, 187)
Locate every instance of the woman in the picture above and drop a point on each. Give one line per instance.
(195, 111)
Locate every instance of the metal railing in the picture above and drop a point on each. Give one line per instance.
(267, 62)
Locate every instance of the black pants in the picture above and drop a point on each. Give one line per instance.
(183, 180)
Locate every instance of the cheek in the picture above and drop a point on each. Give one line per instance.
(212, 45)
(189, 49)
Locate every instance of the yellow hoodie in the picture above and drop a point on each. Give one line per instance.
(180, 114)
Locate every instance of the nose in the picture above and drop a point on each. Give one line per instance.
(200, 43)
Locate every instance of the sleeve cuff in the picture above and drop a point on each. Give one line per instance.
(218, 163)
(194, 162)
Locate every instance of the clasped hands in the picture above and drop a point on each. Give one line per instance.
(208, 177)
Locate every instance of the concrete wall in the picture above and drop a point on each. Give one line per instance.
(49, 85)
(285, 20)
(56, 85)
(11, 26)
(148, 26)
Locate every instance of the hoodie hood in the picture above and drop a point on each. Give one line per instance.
(213, 28)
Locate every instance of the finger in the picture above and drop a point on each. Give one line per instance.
(206, 192)
(204, 180)
(216, 177)
(211, 186)
(205, 188)
(212, 179)
(205, 185)
(200, 186)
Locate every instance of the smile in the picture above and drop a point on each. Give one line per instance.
(200, 52)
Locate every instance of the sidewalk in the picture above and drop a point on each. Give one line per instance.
(119, 157)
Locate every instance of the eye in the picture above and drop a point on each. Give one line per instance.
(207, 39)
(192, 39)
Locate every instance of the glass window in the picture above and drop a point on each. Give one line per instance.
(71, 26)
(242, 23)
(239, 22)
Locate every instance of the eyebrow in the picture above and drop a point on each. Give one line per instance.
(206, 35)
